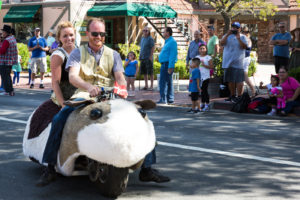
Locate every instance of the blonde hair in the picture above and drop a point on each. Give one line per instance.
(60, 27)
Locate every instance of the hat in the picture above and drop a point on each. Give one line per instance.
(52, 31)
(7, 29)
(37, 29)
(236, 24)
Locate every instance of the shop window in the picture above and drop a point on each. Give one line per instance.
(109, 33)
(24, 31)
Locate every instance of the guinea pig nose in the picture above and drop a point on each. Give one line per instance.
(95, 114)
(143, 112)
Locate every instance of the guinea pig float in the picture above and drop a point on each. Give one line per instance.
(101, 139)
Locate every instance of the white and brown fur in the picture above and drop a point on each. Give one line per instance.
(121, 137)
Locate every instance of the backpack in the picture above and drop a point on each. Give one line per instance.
(259, 105)
(241, 106)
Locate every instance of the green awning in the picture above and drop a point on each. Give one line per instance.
(21, 13)
(132, 9)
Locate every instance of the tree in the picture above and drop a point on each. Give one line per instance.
(231, 9)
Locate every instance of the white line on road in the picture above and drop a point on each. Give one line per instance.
(246, 156)
(13, 120)
(180, 146)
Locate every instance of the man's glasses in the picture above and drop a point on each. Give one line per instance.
(281, 26)
(95, 34)
(145, 30)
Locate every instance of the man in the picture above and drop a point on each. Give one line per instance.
(167, 58)
(8, 57)
(50, 39)
(38, 46)
(146, 57)
(193, 49)
(213, 42)
(281, 51)
(233, 58)
(91, 67)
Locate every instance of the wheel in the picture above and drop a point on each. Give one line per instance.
(110, 180)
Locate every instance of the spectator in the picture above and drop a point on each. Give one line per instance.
(131, 71)
(206, 65)
(167, 58)
(194, 86)
(50, 39)
(247, 60)
(54, 46)
(213, 42)
(295, 49)
(17, 68)
(38, 46)
(281, 47)
(272, 100)
(233, 60)
(193, 48)
(146, 57)
(8, 57)
(290, 89)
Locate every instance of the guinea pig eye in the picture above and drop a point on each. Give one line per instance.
(143, 112)
(95, 114)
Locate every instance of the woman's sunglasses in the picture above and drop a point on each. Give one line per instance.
(95, 34)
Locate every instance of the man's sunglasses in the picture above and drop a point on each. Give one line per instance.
(95, 34)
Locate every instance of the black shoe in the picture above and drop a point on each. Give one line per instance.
(31, 86)
(47, 177)
(42, 86)
(229, 99)
(149, 174)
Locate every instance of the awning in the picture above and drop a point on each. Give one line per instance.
(132, 9)
(21, 13)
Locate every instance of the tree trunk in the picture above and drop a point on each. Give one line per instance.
(227, 21)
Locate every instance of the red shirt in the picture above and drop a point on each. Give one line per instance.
(4, 47)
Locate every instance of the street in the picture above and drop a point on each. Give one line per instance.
(209, 156)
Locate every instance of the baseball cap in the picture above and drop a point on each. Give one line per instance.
(236, 24)
(37, 29)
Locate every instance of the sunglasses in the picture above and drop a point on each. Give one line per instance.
(281, 26)
(95, 34)
(145, 30)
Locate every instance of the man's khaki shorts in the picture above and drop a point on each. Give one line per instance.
(41, 62)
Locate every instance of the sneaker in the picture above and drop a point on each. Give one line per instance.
(152, 175)
(272, 113)
(235, 99)
(228, 99)
(47, 177)
(206, 108)
(31, 86)
(190, 111)
(170, 102)
(42, 86)
(4, 94)
(161, 102)
(12, 93)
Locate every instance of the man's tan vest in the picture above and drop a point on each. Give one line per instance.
(99, 75)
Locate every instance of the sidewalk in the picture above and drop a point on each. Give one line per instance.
(181, 97)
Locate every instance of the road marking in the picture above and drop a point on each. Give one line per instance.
(13, 120)
(239, 155)
(180, 146)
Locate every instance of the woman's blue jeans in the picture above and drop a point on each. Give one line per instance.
(166, 88)
(290, 105)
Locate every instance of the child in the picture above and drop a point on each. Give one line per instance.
(275, 94)
(17, 68)
(206, 65)
(194, 85)
(131, 72)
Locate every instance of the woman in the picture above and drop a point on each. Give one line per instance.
(63, 90)
(295, 49)
(290, 89)
(247, 60)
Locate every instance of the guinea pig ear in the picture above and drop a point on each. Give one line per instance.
(146, 104)
(78, 103)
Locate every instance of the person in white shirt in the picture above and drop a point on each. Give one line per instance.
(206, 65)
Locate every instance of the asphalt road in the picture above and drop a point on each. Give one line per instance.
(215, 155)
